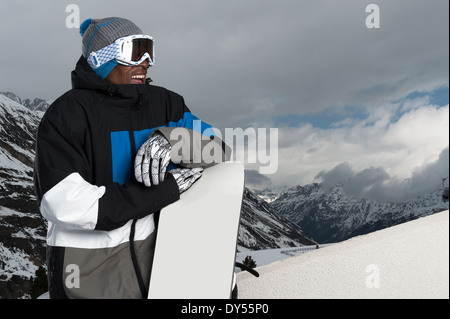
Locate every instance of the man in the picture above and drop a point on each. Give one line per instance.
(104, 165)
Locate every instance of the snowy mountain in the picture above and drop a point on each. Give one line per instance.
(330, 215)
(23, 230)
(262, 227)
(37, 105)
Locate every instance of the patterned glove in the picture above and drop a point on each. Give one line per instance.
(152, 160)
(185, 177)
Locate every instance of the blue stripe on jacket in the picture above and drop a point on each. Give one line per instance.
(122, 157)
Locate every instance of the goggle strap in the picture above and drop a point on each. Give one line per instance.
(95, 60)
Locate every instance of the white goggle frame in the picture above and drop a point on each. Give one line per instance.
(121, 50)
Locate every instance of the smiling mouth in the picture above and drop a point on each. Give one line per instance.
(138, 79)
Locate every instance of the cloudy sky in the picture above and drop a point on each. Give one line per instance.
(364, 106)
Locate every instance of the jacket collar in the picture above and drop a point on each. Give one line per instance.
(83, 77)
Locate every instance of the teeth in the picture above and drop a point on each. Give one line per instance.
(138, 76)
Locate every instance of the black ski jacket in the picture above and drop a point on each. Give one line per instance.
(100, 220)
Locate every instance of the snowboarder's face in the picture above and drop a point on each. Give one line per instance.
(122, 74)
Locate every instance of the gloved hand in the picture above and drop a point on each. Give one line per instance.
(185, 177)
(152, 160)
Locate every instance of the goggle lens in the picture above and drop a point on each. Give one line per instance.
(140, 47)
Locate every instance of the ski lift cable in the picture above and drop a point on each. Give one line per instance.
(441, 184)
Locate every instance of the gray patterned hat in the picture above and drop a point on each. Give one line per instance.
(99, 33)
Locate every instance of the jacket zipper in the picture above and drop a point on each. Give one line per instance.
(134, 258)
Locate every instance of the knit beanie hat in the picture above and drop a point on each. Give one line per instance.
(99, 33)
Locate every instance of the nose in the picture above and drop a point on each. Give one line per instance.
(145, 64)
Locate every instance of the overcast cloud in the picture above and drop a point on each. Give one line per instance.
(376, 183)
(373, 102)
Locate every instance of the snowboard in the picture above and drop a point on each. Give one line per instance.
(196, 240)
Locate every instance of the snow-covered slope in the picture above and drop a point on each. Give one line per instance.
(262, 227)
(37, 105)
(410, 260)
(267, 256)
(22, 229)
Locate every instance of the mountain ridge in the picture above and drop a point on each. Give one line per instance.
(332, 215)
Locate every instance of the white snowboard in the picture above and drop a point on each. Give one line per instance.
(197, 237)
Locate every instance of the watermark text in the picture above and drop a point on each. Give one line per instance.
(373, 19)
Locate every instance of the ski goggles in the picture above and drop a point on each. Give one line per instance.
(130, 51)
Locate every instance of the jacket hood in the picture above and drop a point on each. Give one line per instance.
(83, 77)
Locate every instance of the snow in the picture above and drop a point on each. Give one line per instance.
(9, 163)
(11, 106)
(15, 262)
(410, 260)
(267, 256)
(5, 211)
